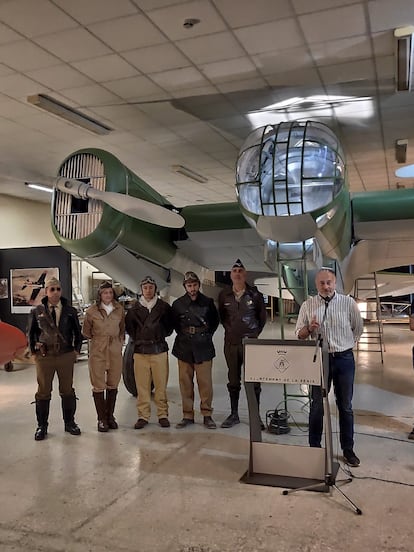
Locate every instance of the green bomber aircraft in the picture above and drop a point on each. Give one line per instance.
(293, 210)
(294, 213)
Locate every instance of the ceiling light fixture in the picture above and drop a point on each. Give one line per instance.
(189, 173)
(68, 113)
(401, 151)
(39, 187)
(190, 22)
(404, 58)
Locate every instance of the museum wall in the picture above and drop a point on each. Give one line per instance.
(30, 258)
(24, 223)
(27, 242)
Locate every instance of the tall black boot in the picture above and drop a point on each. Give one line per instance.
(110, 407)
(233, 418)
(257, 391)
(42, 415)
(69, 409)
(100, 406)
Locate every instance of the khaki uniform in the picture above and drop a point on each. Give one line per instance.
(106, 334)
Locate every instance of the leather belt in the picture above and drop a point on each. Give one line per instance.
(194, 329)
(340, 353)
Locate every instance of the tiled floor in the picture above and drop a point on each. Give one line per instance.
(178, 490)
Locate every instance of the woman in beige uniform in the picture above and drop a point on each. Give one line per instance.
(104, 326)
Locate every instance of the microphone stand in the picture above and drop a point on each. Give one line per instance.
(319, 340)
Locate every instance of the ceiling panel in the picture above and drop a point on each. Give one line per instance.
(170, 19)
(34, 18)
(93, 11)
(154, 59)
(126, 33)
(209, 48)
(73, 45)
(191, 95)
(106, 68)
(277, 35)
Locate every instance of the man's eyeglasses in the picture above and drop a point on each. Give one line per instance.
(54, 288)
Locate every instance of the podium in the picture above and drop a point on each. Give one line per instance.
(280, 465)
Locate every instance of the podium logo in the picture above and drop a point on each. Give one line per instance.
(281, 364)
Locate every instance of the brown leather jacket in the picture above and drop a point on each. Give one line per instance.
(63, 339)
(147, 329)
(244, 318)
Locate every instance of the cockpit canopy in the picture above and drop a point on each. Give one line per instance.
(289, 169)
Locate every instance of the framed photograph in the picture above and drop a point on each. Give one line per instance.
(4, 288)
(28, 287)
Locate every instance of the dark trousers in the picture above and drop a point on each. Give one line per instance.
(47, 366)
(341, 374)
(234, 359)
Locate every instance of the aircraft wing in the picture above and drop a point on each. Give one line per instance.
(41, 280)
(12, 342)
(35, 293)
(390, 284)
(383, 233)
(216, 235)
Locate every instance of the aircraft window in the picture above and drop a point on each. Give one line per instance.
(248, 165)
(249, 195)
(301, 169)
(255, 137)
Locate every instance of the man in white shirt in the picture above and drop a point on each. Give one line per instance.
(336, 318)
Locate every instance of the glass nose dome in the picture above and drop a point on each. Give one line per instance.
(289, 169)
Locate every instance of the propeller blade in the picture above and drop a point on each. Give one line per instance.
(405, 172)
(131, 206)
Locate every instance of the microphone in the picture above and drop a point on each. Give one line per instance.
(326, 299)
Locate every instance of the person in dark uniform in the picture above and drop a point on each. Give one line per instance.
(243, 314)
(148, 323)
(195, 319)
(55, 340)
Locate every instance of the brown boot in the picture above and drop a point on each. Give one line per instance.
(110, 407)
(100, 406)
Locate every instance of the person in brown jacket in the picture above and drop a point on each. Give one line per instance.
(148, 323)
(104, 326)
(55, 341)
(243, 314)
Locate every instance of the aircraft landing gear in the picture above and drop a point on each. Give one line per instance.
(128, 368)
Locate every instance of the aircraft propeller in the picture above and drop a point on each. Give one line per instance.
(131, 206)
(126, 204)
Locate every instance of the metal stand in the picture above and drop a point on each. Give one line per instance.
(331, 466)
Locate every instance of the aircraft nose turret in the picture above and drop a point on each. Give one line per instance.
(291, 170)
